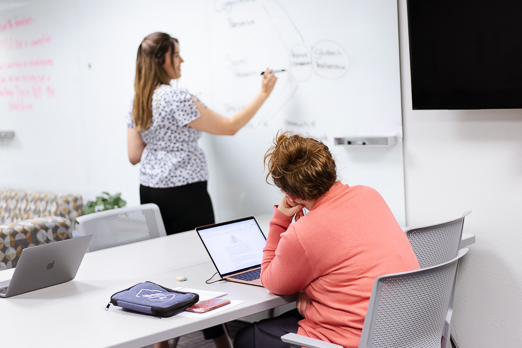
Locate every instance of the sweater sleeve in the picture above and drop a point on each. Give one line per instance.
(285, 268)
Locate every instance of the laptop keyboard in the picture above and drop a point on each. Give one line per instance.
(250, 275)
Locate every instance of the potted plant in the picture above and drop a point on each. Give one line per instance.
(104, 202)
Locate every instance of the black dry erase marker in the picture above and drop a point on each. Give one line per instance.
(274, 71)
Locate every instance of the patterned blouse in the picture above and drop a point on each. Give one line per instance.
(172, 156)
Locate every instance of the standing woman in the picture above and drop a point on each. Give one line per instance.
(163, 128)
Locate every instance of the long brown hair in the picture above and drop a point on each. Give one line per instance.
(302, 167)
(149, 75)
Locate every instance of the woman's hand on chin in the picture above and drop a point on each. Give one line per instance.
(289, 207)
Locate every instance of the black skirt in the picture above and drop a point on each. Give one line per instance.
(183, 208)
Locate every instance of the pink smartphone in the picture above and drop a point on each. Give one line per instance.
(208, 305)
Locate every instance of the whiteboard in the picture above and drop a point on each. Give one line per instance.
(67, 71)
(342, 79)
(39, 96)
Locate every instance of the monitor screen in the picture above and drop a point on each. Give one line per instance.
(235, 245)
(465, 54)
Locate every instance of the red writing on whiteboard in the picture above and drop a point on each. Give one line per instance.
(23, 21)
(40, 62)
(19, 105)
(35, 91)
(27, 64)
(25, 78)
(8, 44)
(15, 23)
(6, 92)
(43, 39)
(7, 25)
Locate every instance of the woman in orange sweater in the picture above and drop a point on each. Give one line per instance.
(331, 255)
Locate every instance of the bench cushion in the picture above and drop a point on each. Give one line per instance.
(16, 236)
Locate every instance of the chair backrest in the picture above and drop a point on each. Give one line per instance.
(408, 309)
(436, 244)
(122, 226)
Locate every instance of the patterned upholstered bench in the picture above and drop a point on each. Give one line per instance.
(29, 218)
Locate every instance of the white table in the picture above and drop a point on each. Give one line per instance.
(73, 314)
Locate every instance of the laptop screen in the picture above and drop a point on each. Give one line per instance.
(234, 245)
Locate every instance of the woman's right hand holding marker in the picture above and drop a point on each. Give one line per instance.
(268, 82)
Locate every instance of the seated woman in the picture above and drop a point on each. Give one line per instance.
(331, 255)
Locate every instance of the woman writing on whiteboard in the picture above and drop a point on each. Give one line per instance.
(163, 128)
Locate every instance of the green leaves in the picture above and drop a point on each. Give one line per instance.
(104, 202)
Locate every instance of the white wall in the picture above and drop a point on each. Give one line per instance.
(454, 161)
(470, 160)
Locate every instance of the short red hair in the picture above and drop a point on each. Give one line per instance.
(301, 167)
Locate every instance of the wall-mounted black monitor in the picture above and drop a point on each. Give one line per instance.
(465, 54)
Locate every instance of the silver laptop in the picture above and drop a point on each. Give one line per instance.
(236, 249)
(46, 265)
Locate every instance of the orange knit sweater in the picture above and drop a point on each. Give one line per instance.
(334, 253)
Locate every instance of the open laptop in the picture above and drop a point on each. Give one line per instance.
(46, 265)
(236, 249)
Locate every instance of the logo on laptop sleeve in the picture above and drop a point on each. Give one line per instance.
(155, 295)
(50, 265)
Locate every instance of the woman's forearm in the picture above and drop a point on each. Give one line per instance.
(135, 145)
(214, 123)
(211, 122)
(240, 119)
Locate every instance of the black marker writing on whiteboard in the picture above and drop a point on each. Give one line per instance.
(274, 71)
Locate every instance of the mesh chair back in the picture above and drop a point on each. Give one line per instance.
(436, 244)
(408, 310)
(122, 226)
